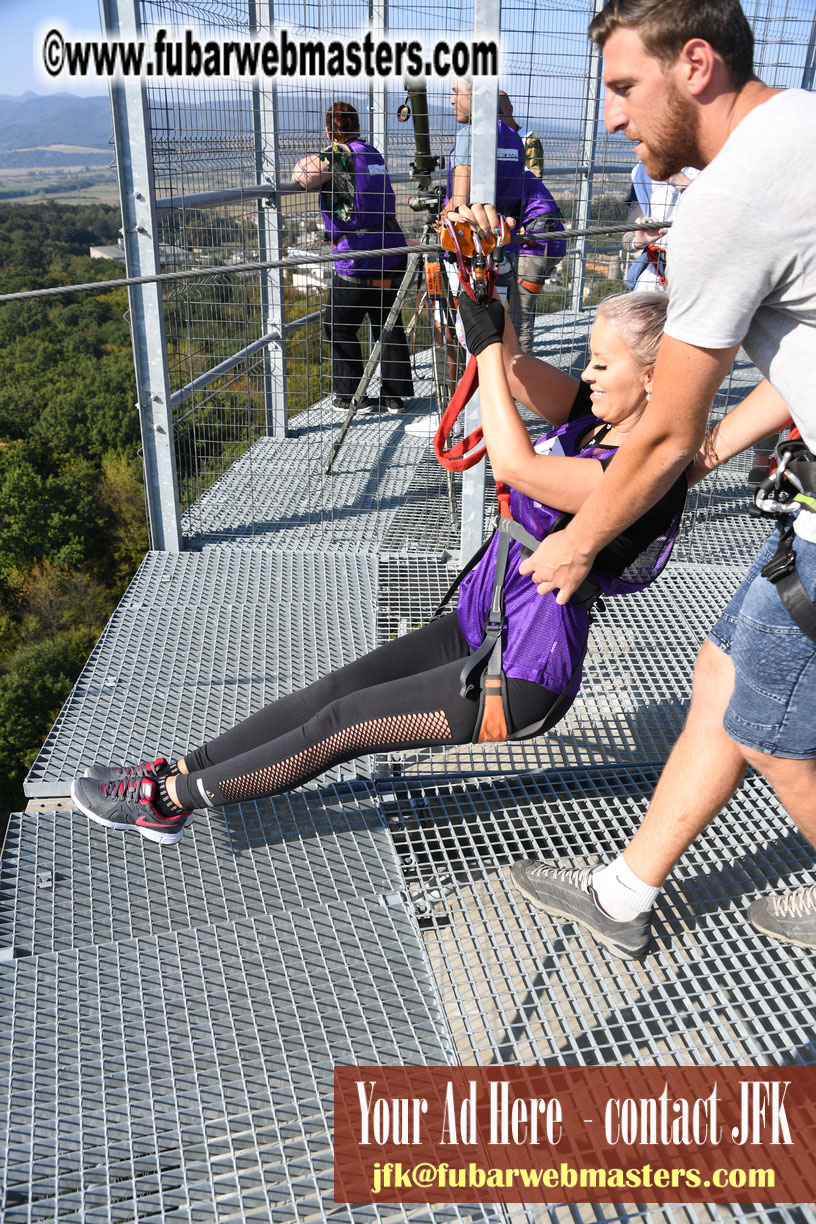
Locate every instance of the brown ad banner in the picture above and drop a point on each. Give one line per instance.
(575, 1134)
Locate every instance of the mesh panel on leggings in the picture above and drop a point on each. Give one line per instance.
(374, 735)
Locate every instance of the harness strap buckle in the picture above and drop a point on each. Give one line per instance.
(781, 571)
(782, 563)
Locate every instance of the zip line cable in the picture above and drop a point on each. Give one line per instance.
(258, 266)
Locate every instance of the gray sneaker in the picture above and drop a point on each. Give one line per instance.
(788, 916)
(568, 893)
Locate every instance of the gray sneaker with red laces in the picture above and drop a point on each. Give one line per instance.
(129, 803)
(160, 767)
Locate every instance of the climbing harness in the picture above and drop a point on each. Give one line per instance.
(482, 672)
(656, 255)
(791, 484)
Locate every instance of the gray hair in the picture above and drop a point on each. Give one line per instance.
(640, 319)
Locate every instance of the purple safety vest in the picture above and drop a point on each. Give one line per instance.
(538, 202)
(372, 223)
(543, 640)
(509, 167)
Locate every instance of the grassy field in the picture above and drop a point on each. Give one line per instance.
(28, 186)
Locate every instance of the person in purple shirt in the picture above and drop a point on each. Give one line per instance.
(540, 250)
(408, 693)
(359, 212)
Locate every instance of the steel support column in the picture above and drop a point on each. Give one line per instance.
(378, 90)
(585, 166)
(131, 129)
(483, 147)
(810, 59)
(270, 247)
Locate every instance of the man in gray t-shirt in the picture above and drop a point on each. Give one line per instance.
(742, 269)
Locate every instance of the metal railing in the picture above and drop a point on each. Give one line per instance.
(237, 352)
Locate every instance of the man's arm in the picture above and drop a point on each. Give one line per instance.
(460, 188)
(660, 446)
(761, 413)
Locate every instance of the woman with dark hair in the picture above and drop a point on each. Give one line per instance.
(425, 689)
(359, 212)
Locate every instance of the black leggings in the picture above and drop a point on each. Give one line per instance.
(403, 695)
(349, 304)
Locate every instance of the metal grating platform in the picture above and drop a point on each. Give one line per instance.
(363, 920)
(716, 527)
(285, 620)
(380, 474)
(66, 883)
(189, 1076)
(519, 987)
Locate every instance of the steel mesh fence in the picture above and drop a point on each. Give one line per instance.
(211, 137)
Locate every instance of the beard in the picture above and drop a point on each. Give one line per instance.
(674, 138)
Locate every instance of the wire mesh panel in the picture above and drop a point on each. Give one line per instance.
(190, 1076)
(249, 351)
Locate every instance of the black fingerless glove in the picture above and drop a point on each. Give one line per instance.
(484, 325)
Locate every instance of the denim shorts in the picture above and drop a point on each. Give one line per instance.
(773, 705)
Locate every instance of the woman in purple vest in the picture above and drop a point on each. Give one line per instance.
(407, 694)
(359, 212)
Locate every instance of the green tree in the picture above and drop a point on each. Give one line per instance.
(71, 497)
(32, 689)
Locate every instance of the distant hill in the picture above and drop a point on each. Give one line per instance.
(34, 120)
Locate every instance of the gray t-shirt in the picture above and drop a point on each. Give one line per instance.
(460, 153)
(742, 260)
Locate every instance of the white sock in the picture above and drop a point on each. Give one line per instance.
(621, 894)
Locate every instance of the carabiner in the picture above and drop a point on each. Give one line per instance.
(480, 269)
(772, 497)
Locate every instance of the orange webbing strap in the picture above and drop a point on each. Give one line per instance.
(503, 496)
(493, 727)
(433, 279)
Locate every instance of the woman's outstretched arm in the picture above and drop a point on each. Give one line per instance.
(553, 479)
(556, 480)
(541, 387)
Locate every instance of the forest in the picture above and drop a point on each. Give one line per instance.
(71, 496)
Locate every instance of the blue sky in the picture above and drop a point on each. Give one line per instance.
(19, 19)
